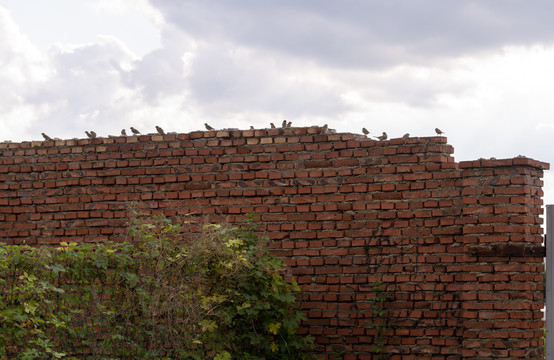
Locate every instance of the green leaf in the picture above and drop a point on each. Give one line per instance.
(274, 328)
(56, 268)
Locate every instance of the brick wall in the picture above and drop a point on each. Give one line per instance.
(456, 245)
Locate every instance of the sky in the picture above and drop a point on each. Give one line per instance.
(479, 70)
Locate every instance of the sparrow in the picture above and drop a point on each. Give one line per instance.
(88, 134)
(289, 124)
(160, 130)
(272, 125)
(382, 137)
(364, 130)
(438, 131)
(406, 135)
(251, 127)
(284, 125)
(46, 137)
(208, 127)
(123, 132)
(324, 129)
(134, 131)
(92, 134)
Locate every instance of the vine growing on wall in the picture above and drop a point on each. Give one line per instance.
(380, 320)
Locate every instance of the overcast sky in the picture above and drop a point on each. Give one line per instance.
(482, 71)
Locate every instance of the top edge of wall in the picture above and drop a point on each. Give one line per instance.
(517, 161)
(274, 136)
(315, 131)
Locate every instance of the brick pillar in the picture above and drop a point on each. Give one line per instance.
(501, 279)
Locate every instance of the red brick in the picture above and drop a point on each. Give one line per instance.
(343, 212)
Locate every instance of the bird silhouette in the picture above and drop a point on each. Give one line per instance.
(88, 134)
(364, 130)
(284, 125)
(208, 127)
(383, 137)
(46, 137)
(134, 131)
(289, 124)
(324, 129)
(251, 127)
(123, 132)
(92, 134)
(272, 125)
(160, 130)
(438, 131)
(406, 135)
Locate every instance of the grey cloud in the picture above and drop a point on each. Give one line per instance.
(82, 75)
(340, 38)
(86, 88)
(231, 80)
(366, 33)
(161, 72)
(157, 74)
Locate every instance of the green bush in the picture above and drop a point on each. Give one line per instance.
(218, 296)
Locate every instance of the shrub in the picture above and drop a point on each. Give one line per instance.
(218, 296)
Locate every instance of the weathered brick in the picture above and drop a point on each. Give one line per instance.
(343, 212)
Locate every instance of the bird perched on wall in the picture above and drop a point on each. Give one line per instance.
(88, 134)
(123, 132)
(289, 124)
(365, 131)
(208, 127)
(284, 124)
(382, 137)
(92, 134)
(134, 131)
(160, 130)
(406, 135)
(251, 127)
(438, 131)
(272, 125)
(46, 137)
(324, 129)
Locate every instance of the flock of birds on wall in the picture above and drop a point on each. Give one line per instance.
(91, 134)
(286, 124)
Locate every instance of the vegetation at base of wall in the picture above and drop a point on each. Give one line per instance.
(380, 320)
(219, 296)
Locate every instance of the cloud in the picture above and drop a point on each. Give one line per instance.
(163, 72)
(232, 79)
(365, 34)
(330, 60)
(86, 88)
(21, 66)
